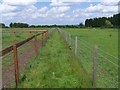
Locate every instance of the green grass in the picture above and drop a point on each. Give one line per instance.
(97, 36)
(107, 72)
(55, 67)
(8, 35)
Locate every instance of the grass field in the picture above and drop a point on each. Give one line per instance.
(57, 64)
(100, 37)
(8, 35)
(55, 68)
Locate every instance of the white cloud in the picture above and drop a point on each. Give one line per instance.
(43, 9)
(9, 14)
(101, 8)
(109, 2)
(58, 10)
(63, 9)
(57, 3)
(32, 12)
(19, 2)
(6, 8)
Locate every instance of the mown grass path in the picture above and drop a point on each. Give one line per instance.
(55, 67)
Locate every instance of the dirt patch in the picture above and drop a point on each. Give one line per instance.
(8, 74)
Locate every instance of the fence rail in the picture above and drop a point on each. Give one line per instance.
(12, 52)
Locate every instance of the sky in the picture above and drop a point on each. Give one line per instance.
(49, 12)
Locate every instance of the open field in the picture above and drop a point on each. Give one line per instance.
(56, 65)
(8, 35)
(97, 36)
(100, 37)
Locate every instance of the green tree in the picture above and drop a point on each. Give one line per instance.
(108, 24)
(81, 25)
(2, 25)
(11, 25)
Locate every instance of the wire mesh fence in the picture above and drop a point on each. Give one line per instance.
(101, 66)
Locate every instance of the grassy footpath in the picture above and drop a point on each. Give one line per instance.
(55, 67)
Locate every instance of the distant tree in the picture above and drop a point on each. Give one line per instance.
(116, 20)
(81, 25)
(33, 26)
(2, 25)
(19, 25)
(108, 23)
(11, 25)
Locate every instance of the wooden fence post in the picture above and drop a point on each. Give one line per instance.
(42, 38)
(95, 67)
(35, 45)
(30, 34)
(46, 34)
(14, 37)
(69, 39)
(16, 65)
(76, 45)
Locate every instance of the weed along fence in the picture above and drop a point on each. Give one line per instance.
(15, 57)
(101, 67)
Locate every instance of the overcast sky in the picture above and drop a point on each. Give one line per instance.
(42, 12)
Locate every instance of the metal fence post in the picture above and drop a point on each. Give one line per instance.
(16, 65)
(76, 45)
(95, 66)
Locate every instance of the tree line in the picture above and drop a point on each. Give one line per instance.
(104, 21)
(113, 21)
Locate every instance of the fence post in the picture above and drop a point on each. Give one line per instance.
(42, 38)
(95, 67)
(35, 45)
(66, 37)
(14, 37)
(16, 64)
(69, 39)
(76, 45)
(30, 34)
(47, 34)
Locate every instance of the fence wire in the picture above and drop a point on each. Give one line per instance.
(107, 64)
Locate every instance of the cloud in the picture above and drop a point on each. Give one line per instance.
(6, 8)
(101, 8)
(19, 2)
(10, 14)
(43, 9)
(58, 10)
(109, 2)
(57, 3)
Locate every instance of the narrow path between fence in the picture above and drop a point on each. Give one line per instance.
(55, 67)
(24, 57)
